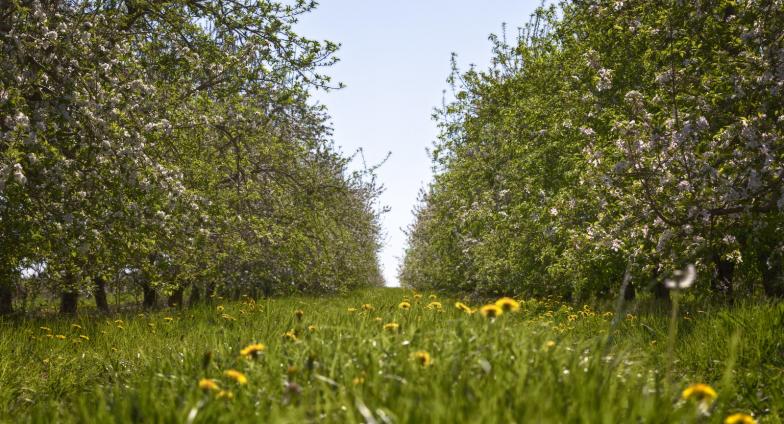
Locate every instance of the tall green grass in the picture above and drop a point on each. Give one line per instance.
(547, 363)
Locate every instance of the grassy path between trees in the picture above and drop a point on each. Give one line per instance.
(362, 358)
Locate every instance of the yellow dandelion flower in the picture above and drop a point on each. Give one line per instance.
(367, 307)
(572, 317)
(358, 380)
(404, 305)
(508, 304)
(463, 307)
(740, 418)
(208, 384)
(168, 319)
(225, 394)
(433, 297)
(417, 296)
(299, 313)
(114, 349)
(312, 328)
(491, 311)
(120, 327)
(391, 326)
(76, 326)
(550, 344)
(702, 393)
(422, 358)
(379, 319)
(228, 317)
(220, 308)
(608, 314)
(252, 350)
(290, 335)
(434, 306)
(119, 322)
(630, 317)
(47, 329)
(236, 376)
(60, 337)
(351, 310)
(83, 337)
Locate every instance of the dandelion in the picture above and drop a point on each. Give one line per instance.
(433, 297)
(228, 317)
(367, 307)
(422, 358)
(702, 393)
(682, 279)
(252, 350)
(417, 296)
(378, 319)
(47, 329)
(740, 418)
(60, 337)
(312, 328)
(572, 317)
(220, 308)
(391, 326)
(434, 306)
(76, 326)
(83, 337)
(299, 313)
(463, 307)
(508, 304)
(358, 380)
(550, 344)
(290, 335)
(168, 319)
(351, 310)
(236, 376)
(491, 311)
(225, 394)
(208, 384)
(404, 305)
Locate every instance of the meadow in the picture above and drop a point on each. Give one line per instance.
(390, 355)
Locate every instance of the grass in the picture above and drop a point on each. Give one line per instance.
(546, 363)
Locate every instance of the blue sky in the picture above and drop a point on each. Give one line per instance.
(395, 61)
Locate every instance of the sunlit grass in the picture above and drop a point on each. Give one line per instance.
(364, 358)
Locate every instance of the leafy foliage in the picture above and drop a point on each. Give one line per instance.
(175, 141)
(612, 137)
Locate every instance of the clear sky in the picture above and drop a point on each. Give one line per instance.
(395, 61)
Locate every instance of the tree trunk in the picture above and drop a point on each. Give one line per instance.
(208, 293)
(660, 292)
(69, 301)
(630, 293)
(6, 298)
(100, 296)
(175, 299)
(771, 276)
(195, 296)
(722, 281)
(150, 296)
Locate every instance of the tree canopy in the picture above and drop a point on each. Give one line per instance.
(176, 142)
(612, 137)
